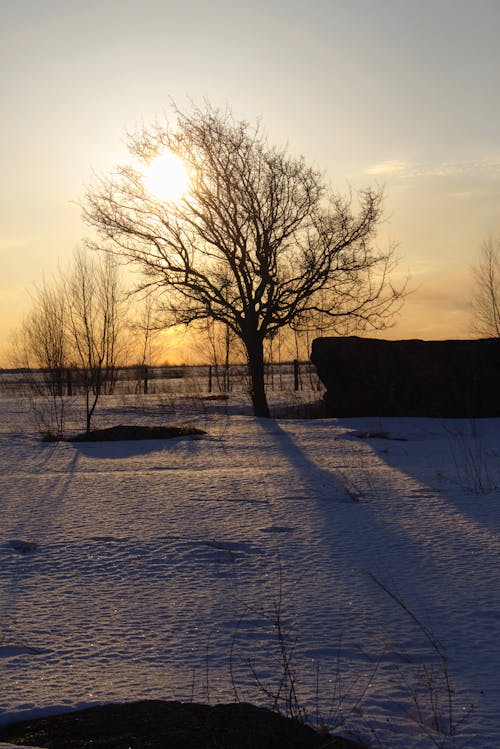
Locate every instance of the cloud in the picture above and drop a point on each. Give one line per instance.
(17, 242)
(409, 169)
(400, 168)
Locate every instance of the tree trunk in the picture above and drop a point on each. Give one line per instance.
(255, 353)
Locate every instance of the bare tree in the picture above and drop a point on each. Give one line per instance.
(145, 326)
(257, 240)
(217, 346)
(486, 296)
(40, 347)
(44, 341)
(76, 323)
(95, 312)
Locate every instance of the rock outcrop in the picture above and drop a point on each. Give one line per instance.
(371, 377)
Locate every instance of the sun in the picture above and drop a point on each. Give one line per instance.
(166, 177)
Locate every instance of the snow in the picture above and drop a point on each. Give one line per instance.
(168, 569)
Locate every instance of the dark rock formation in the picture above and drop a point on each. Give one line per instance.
(371, 377)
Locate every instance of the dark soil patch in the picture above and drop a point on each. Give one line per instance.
(154, 724)
(124, 432)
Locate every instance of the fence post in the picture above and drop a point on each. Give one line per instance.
(296, 374)
(69, 381)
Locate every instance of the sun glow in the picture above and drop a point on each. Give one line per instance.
(167, 177)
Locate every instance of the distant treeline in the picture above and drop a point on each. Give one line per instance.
(148, 379)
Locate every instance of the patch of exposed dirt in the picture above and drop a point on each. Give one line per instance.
(154, 724)
(134, 432)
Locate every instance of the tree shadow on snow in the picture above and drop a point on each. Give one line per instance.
(331, 486)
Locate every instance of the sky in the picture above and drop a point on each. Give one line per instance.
(374, 92)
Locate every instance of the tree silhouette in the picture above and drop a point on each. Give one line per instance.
(486, 295)
(256, 242)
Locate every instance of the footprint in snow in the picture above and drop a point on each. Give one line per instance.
(277, 529)
(22, 547)
(6, 651)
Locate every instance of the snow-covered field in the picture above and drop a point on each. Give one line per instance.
(168, 569)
